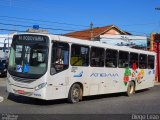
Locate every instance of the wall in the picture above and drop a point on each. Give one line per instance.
(112, 31)
(156, 48)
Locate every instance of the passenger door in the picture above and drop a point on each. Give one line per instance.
(59, 65)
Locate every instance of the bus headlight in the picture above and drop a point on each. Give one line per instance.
(40, 86)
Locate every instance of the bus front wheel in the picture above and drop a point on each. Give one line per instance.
(131, 88)
(75, 93)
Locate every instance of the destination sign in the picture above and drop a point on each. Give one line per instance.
(31, 38)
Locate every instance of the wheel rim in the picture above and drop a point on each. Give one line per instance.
(131, 89)
(76, 93)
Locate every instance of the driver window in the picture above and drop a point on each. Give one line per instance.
(60, 57)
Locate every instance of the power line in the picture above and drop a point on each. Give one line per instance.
(31, 26)
(49, 28)
(11, 30)
(74, 36)
(34, 20)
(22, 21)
(140, 24)
(44, 21)
(14, 25)
(24, 26)
(135, 24)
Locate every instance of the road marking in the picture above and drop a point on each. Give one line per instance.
(1, 99)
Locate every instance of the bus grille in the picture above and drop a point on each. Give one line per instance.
(24, 80)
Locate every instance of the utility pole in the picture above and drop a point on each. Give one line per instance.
(91, 30)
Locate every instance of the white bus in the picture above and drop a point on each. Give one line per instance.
(52, 67)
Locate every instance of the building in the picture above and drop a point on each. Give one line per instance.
(155, 46)
(132, 41)
(111, 35)
(5, 43)
(94, 34)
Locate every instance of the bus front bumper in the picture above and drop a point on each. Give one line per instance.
(28, 92)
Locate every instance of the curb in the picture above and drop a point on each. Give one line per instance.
(157, 83)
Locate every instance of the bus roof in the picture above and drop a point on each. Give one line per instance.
(90, 43)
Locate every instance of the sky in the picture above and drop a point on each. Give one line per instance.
(138, 17)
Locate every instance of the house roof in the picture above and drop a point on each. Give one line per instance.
(86, 34)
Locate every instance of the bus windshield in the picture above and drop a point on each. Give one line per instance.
(28, 60)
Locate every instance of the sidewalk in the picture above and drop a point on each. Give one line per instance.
(156, 83)
(2, 81)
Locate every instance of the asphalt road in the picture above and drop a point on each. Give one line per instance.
(143, 102)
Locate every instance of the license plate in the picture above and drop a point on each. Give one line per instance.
(20, 91)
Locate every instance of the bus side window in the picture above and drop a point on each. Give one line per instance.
(59, 57)
(97, 57)
(111, 58)
(150, 62)
(79, 55)
(133, 60)
(143, 61)
(123, 61)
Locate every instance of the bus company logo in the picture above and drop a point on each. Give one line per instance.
(104, 75)
(79, 75)
(36, 94)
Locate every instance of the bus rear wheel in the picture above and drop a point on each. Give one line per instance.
(130, 89)
(75, 93)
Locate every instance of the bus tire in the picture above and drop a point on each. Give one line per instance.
(130, 88)
(75, 94)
